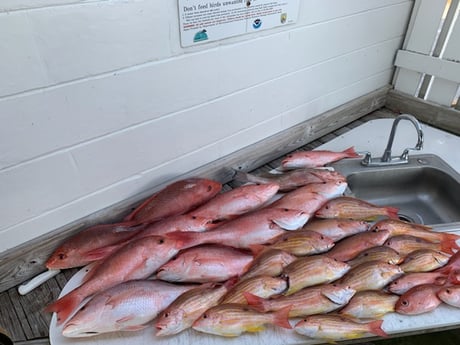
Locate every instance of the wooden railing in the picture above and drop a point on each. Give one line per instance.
(428, 66)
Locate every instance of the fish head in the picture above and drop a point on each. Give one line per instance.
(209, 323)
(290, 219)
(308, 327)
(87, 322)
(64, 257)
(170, 321)
(171, 271)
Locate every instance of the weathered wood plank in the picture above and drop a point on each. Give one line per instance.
(443, 117)
(27, 260)
(9, 318)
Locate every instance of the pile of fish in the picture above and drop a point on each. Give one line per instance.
(282, 248)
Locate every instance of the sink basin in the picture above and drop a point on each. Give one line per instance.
(426, 189)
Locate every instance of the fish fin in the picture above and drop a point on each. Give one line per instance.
(351, 153)
(101, 253)
(125, 319)
(449, 243)
(392, 212)
(281, 317)
(256, 302)
(254, 328)
(184, 239)
(375, 327)
(64, 306)
(257, 249)
(135, 328)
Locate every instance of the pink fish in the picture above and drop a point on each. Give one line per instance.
(253, 228)
(78, 250)
(137, 260)
(176, 198)
(419, 299)
(316, 158)
(206, 263)
(237, 201)
(408, 281)
(128, 306)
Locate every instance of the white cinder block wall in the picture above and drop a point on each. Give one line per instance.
(98, 101)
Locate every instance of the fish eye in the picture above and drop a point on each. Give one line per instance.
(193, 217)
(161, 241)
(209, 188)
(405, 303)
(448, 291)
(61, 256)
(205, 316)
(166, 314)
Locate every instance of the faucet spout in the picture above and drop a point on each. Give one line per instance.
(404, 156)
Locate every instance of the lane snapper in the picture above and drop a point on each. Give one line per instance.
(337, 229)
(308, 301)
(268, 261)
(370, 305)
(176, 198)
(137, 260)
(257, 227)
(231, 320)
(188, 307)
(354, 208)
(313, 270)
(293, 179)
(235, 202)
(398, 227)
(372, 275)
(424, 260)
(205, 263)
(302, 242)
(350, 247)
(263, 286)
(336, 328)
(405, 244)
(377, 253)
(315, 158)
(129, 306)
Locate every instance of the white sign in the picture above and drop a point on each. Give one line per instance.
(207, 20)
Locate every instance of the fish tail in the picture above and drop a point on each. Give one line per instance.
(351, 153)
(375, 327)
(64, 306)
(281, 317)
(392, 212)
(184, 239)
(256, 302)
(257, 249)
(448, 244)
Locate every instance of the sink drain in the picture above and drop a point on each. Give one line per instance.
(410, 217)
(405, 218)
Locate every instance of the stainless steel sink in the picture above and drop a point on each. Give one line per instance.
(425, 189)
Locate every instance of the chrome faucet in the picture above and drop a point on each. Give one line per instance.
(387, 158)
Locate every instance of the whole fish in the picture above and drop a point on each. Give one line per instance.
(377, 253)
(136, 260)
(128, 306)
(372, 275)
(311, 197)
(337, 229)
(408, 281)
(370, 305)
(205, 263)
(262, 286)
(313, 270)
(450, 295)
(424, 260)
(268, 261)
(188, 307)
(316, 158)
(231, 204)
(77, 250)
(418, 300)
(183, 222)
(398, 227)
(405, 244)
(354, 208)
(176, 198)
(336, 328)
(352, 246)
(231, 320)
(257, 227)
(291, 180)
(312, 300)
(302, 242)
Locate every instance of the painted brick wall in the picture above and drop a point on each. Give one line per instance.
(98, 100)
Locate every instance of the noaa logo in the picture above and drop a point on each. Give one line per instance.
(257, 24)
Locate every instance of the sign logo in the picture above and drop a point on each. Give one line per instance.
(257, 23)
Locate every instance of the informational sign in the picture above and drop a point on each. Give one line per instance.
(207, 20)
